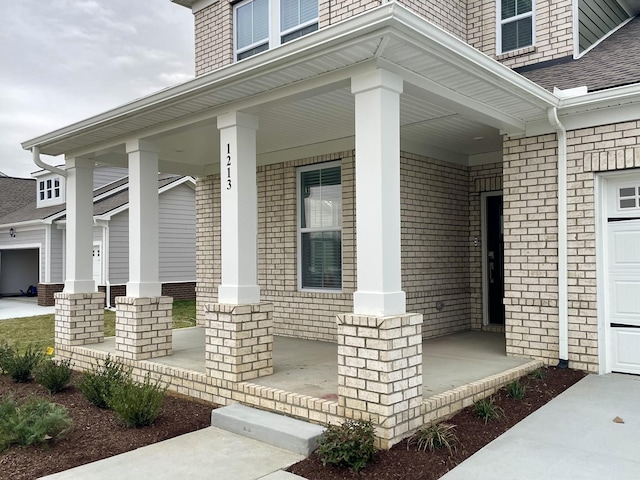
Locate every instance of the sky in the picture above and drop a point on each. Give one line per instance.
(62, 61)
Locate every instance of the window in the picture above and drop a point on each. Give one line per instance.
(49, 189)
(264, 24)
(516, 24)
(629, 197)
(320, 232)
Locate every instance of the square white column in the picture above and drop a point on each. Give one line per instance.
(79, 235)
(377, 116)
(239, 209)
(143, 220)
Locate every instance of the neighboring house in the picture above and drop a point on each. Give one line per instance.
(32, 234)
(360, 160)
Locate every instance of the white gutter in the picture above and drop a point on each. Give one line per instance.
(563, 293)
(35, 150)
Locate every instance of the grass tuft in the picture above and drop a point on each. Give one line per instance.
(516, 390)
(434, 437)
(487, 410)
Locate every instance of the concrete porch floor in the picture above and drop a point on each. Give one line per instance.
(310, 367)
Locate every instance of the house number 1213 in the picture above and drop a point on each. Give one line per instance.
(228, 166)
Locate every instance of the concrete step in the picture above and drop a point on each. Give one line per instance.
(270, 428)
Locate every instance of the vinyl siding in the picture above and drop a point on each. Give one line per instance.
(597, 18)
(119, 248)
(104, 175)
(57, 246)
(177, 208)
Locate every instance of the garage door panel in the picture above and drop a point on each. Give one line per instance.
(626, 350)
(625, 301)
(625, 243)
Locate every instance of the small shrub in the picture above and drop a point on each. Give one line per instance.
(32, 422)
(98, 384)
(6, 352)
(138, 405)
(434, 437)
(351, 444)
(487, 410)
(20, 365)
(516, 390)
(52, 375)
(539, 374)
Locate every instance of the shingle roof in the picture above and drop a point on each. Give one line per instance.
(612, 63)
(30, 212)
(15, 193)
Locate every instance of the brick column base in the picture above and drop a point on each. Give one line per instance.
(79, 318)
(239, 341)
(144, 327)
(380, 372)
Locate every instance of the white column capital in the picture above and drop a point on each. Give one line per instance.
(377, 78)
(139, 145)
(237, 119)
(77, 162)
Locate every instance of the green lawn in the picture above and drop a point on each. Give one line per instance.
(39, 330)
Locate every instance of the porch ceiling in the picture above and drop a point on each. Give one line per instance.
(456, 100)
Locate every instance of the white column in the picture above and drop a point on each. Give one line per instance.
(79, 235)
(377, 102)
(239, 209)
(143, 220)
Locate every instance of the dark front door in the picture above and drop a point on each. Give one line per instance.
(495, 260)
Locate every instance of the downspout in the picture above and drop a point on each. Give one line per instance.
(563, 293)
(35, 151)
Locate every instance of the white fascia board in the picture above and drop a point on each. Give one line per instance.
(28, 225)
(377, 22)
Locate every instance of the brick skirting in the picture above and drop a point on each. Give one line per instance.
(46, 291)
(178, 291)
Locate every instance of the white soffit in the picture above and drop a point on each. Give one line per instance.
(448, 73)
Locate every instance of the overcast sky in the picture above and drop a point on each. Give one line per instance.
(62, 61)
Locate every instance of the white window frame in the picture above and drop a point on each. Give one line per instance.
(274, 38)
(636, 197)
(300, 230)
(47, 189)
(500, 23)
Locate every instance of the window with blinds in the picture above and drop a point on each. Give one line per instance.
(254, 20)
(516, 24)
(320, 227)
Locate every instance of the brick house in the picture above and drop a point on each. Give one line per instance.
(33, 227)
(411, 169)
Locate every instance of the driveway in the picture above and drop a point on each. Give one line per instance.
(573, 437)
(18, 307)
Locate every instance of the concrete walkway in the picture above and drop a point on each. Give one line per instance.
(205, 454)
(19, 307)
(573, 437)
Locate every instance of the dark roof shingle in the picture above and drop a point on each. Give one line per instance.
(612, 63)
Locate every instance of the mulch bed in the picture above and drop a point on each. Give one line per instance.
(471, 431)
(97, 434)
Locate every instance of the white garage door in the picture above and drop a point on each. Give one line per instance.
(623, 272)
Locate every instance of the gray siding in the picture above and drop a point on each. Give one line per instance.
(104, 175)
(177, 225)
(119, 248)
(57, 258)
(597, 18)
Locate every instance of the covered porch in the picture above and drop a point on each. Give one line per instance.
(407, 117)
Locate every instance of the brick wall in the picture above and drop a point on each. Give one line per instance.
(435, 242)
(553, 34)
(482, 178)
(46, 291)
(450, 15)
(213, 37)
(177, 290)
(531, 247)
(590, 150)
(530, 176)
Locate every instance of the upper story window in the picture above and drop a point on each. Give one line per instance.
(49, 189)
(264, 24)
(516, 24)
(320, 227)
